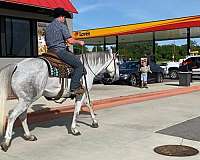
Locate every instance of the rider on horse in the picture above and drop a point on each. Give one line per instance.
(57, 36)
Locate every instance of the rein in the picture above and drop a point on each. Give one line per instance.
(86, 59)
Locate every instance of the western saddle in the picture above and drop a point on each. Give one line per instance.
(57, 68)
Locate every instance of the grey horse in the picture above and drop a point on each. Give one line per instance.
(29, 80)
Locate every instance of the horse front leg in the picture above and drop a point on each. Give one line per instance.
(18, 110)
(90, 107)
(77, 108)
(27, 135)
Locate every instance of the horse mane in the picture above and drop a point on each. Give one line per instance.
(96, 58)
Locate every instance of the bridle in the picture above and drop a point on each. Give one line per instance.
(85, 59)
(84, 76)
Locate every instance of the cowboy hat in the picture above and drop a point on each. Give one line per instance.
(61, 12)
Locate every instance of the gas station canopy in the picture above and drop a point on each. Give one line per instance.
(158, 30)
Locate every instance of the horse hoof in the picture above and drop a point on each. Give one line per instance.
(30, 138)
(4, 147)
(95, 125)
(75, 132)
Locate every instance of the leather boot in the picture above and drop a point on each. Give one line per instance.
(77, 92)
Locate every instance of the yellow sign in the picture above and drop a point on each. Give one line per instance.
(82, 34)
(139, 28)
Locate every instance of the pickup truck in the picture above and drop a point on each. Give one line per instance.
(171, 69)
(189, 63)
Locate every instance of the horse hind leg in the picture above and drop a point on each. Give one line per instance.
(20, 108)
(27, 135)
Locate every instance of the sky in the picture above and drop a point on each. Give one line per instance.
(107, 13)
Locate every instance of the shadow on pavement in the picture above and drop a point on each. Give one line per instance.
(37, 107)
(171, 84)
(188, 130)
(61, 121)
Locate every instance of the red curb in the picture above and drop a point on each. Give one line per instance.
(53, 113)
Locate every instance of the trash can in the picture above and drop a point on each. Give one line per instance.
(185, 78)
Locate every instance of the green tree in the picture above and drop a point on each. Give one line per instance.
(78, 49)
(97, 49)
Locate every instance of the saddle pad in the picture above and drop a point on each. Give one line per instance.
(53, 71)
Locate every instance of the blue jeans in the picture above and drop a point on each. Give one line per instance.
(78, 68)
(144, 77)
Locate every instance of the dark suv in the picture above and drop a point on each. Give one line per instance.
(130, 72)
(191, 63)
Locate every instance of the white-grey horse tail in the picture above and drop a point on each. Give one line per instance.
(5, 85)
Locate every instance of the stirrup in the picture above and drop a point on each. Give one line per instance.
(79, 91)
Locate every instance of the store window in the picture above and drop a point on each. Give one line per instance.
(18, 37)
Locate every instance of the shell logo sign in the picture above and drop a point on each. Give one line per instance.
(81, 34)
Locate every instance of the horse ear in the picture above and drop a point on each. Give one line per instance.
(117, 53)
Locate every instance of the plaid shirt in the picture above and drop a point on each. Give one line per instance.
(56, 35)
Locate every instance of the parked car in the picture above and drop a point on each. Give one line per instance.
(98, 79)
(163, 65)
(191, 63)
(171, 69)
(129, 72)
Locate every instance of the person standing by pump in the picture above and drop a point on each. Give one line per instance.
(144, 69)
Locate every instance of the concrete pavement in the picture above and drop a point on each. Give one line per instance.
(126, 132)
(100, 92)
(106, 96)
